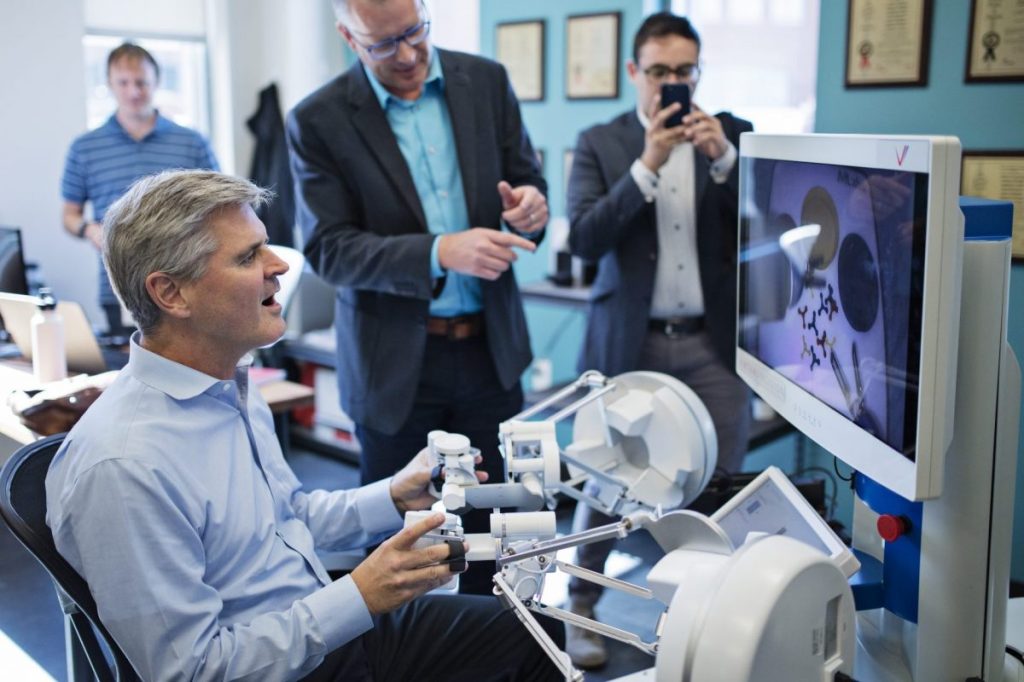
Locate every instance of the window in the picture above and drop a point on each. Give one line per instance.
(182, 93)
(759, 60)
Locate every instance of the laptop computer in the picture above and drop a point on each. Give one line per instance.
(83, 351)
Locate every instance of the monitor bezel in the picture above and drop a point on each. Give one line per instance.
(939, 158)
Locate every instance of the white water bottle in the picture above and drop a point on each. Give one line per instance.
(48, 360)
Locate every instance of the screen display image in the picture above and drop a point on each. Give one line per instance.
(767, 510)
(831, 286)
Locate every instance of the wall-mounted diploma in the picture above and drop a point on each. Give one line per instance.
(995, 51)
(887, 42)
(998, 175)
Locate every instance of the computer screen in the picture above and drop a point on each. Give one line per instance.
(12, 262)
(849, 295)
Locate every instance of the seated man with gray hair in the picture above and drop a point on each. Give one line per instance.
(172, 499)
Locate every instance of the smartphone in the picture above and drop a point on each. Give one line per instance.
(675, 92)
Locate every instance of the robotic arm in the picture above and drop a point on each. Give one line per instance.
(646, 443)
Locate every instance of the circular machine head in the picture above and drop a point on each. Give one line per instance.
(819, 209)
(663, 446)
(776, 609)
(858, 283)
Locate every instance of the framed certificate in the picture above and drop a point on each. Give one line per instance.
(998, 175)
(520, 48)
(995, 50)
(887, 43)
(592, 56)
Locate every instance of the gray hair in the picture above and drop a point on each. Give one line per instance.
(161, 224)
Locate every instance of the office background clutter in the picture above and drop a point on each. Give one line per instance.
(251, 43)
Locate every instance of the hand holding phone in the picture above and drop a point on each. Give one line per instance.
(675, 92)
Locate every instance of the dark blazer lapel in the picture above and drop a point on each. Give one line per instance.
(462, 112)
(702, 173)
(370, 121)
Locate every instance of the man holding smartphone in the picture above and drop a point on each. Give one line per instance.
(652, 196)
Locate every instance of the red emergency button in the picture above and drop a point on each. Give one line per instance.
(891, 527)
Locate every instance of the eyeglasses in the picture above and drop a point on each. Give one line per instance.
(684, 72)
(389, 46)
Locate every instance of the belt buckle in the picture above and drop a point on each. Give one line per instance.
(672, 330)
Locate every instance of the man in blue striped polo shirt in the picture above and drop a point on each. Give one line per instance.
(135, 141)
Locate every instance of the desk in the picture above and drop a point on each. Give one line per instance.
(280, 395)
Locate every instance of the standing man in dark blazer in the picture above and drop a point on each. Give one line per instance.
(657, 206)
(407, 167)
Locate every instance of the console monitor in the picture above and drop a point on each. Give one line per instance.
(850, 251)
(12, 262)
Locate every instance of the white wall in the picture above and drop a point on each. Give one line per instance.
(252, 43)
(256, 42)
(43, 110)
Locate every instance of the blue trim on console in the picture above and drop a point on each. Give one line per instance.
(901, 562)
(986, 219)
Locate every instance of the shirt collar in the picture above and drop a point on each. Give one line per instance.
(161, 125)
(176, 380)
(434, 75)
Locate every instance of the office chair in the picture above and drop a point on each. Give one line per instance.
(23, 507)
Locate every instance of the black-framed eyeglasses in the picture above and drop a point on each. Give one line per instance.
(389, 46)
(684, 72)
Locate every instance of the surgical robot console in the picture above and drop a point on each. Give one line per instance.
(648, 443)
(873, 308)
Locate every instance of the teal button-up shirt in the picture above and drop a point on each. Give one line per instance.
(423, 128)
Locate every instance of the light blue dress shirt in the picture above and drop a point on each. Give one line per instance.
(173, 500)
(423, 128)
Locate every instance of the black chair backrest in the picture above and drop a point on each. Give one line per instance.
(23, 507)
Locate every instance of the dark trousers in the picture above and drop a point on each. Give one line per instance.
(455, 638)
(458, 392)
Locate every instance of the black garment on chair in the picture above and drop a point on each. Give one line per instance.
(270, 168)
(23, 507)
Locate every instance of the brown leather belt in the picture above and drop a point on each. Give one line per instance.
(677, 326)
(456, 328)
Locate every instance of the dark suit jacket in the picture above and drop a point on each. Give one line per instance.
(270, 168)
(366, 234)
(611, 222)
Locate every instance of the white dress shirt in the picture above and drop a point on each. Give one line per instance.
(677, 288)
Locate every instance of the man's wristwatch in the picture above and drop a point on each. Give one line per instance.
(82, 228)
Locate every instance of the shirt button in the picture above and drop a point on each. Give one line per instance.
(677, 227)
(672, 189)
(226, 387)
(443, 194)
(431, 149)
(680, 267)
(653, 256)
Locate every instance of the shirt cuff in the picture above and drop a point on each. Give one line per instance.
(436, 271)
(376, 508)
(340, 611)
(646, 180)
(722, 166)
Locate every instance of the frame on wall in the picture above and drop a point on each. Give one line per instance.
(997, 174)
(519, 46)
(995, 44)
(592, 56)
(887, 44)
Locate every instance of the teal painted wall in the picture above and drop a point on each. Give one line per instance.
(983, 116)
(554, 123)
